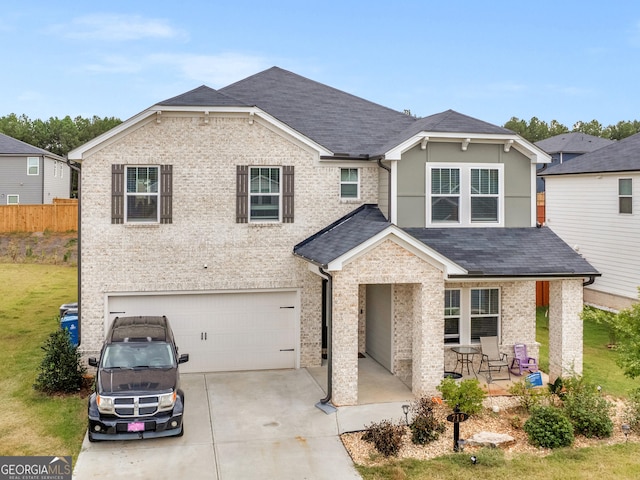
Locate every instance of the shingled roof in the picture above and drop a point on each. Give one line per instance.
(12, 146)
(572, 142)
(620, 156)
(482, 252)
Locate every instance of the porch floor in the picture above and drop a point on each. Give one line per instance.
(377, 385)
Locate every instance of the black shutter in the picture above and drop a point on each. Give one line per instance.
(287, 194)
(242, 194)
(166, 194)
(117, 193)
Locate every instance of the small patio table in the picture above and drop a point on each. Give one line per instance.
(464, 356)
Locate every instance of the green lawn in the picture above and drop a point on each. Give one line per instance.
(33, 423)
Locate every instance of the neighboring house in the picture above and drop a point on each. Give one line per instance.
(567, 146)
(31, 175)
(257, 215)
(593, 204)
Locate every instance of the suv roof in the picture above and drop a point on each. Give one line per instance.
(140, 329)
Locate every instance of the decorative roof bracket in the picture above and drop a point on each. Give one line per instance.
(465, 144)
(423, 144)
(507, 146)
(158, 116)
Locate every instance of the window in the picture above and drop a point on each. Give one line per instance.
(13, 199)
(264, 194)
(452, 316)
(142, 194)
(625, 198)
(33, 166)
(349, 183)
(465, 195)
(471, 313)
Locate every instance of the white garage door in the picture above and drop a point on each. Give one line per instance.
(224, 331)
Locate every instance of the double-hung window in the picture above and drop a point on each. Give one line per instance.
(471, 313)
(625, 195)
(349, 183)
(142, 195)
(33, 166)
(465, 195)
(264, 194)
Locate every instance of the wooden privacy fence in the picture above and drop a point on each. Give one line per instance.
(61, 216)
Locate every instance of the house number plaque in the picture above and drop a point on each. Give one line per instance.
(456, 417)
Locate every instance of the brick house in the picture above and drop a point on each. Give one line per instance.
(278, 217)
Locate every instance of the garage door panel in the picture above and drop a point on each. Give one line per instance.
(224, 332)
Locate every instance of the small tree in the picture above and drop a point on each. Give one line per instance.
(467, 394)
(61, 369)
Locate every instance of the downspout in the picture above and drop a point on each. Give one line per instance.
(76, 167)
(388, 169)
(324, 403)
(592, 278)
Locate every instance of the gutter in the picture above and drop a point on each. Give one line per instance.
(388, 169)
(325, 403)
(76, 166)
(592, 278)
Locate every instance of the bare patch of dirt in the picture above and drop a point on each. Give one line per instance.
(508, 420)
(39, 247)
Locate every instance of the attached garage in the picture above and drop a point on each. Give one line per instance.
(256, 330)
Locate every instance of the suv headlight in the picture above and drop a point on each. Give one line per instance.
(167, 401)
(105, 404)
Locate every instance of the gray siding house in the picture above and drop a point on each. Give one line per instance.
(31, 175)
(278, 218)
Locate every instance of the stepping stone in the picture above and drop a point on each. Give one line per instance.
(489, 439)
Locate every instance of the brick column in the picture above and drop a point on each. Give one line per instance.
(565, 328)
(345, 340)
(428, 341)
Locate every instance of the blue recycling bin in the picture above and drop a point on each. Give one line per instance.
(70, 323)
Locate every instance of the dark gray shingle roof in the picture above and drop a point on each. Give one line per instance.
(572, 142)
(202, 96)
(620, 156)
(12, 146)
(483, 252)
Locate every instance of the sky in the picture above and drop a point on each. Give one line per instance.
(567, 61)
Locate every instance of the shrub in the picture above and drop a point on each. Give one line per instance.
(527, 397)
(467, 394)
(632, 413)
(386, 437)
(589, 412)
(425, 427)
(548, 427)
(61, 369)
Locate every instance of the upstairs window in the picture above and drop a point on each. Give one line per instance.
(349, 183)
(465, 195)
(142, 194)
(625, 195)
(33, 166)
(264, 194)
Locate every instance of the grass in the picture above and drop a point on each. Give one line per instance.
(34, 423)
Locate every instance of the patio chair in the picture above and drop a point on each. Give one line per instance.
(522, 361)
(492, 360)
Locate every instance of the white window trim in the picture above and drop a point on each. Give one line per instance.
(356, 183)
(464, 213)
(465, 315)
(280, 193)
(625, 196)
(30, 164)
(13, 195)
(150, 194)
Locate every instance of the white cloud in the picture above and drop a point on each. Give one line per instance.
(116, 28)
(114, 64)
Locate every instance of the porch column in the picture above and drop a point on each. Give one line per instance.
(345, 340)
(428, 338)
(565, 328)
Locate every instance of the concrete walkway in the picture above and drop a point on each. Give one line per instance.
(241, 425)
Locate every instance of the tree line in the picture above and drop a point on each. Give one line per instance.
(61, 135)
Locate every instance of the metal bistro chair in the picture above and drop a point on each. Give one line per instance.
(522, 361)
(492, 359)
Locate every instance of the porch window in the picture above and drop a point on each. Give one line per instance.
(264, 194)
(349, 183)
(452, 316)
(484, 313)
(625, 195)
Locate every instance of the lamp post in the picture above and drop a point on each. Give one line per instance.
(626, 428)
(405, 409)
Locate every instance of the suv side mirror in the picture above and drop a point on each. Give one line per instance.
(184, 358)
(93, 361)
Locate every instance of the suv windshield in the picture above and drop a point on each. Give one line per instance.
(133, 355)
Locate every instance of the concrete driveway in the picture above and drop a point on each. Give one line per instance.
(237, 425)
